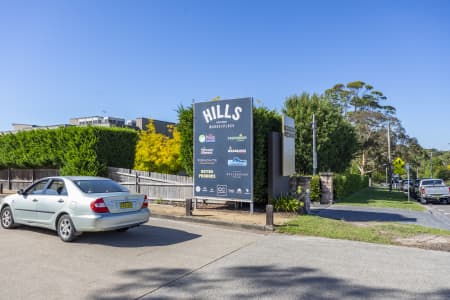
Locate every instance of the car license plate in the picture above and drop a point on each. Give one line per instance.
(127, 204)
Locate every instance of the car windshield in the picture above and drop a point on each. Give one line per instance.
(99, 186)
(432, 182)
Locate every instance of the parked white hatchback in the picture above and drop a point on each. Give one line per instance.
(72, 205)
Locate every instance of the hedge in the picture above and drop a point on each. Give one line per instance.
(345, 185)
(74, 150)
(264, 122)
(315, 189)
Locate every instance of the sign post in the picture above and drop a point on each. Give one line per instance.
(288, 150)
(223, 150)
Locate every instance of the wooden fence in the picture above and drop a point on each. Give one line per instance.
(155, 185)
(16, 179)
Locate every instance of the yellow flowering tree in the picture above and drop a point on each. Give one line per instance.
(156, 152)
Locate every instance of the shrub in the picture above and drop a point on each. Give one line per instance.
(157, 152)
(74, 150)
(264, 122)
(286, 203)
(345, 185)
(186, 129)
(315, 190)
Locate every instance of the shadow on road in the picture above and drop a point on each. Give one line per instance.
(142, 236)
(248, 282)
(361, 216)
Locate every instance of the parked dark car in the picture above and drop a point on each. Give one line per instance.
(415, 189)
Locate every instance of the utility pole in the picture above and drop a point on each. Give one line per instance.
(389, 156)
(387, 176)
(431, 164)
(314, 145)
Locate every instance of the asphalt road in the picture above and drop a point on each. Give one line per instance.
(169, 260)
(430, 218)
(441, 211)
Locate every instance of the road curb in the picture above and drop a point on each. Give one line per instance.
(193, 219)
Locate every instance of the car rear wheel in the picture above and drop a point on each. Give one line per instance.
(7, 219)
(423, 200)
(66, 229)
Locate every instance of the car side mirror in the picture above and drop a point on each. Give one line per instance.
(20, 192)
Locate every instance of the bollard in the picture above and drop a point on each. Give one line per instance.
(307, 208)
(1, 188)
(269, 216)
(189, 207)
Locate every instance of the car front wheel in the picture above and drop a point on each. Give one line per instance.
(66, 229)
(7, 219)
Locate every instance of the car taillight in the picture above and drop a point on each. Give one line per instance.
(423, 190)
(99, 206)
(145, 203)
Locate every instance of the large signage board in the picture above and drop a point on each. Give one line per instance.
(223, 149)
(288, 131)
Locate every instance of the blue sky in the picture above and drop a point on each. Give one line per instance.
(63, 59)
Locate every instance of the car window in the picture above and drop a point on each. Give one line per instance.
(99, 186)
(56, 187)
(432, 182)
(37, 188)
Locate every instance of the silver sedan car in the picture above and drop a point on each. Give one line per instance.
(72, 205)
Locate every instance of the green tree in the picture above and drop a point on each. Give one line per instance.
(363, 107)
(336, 139)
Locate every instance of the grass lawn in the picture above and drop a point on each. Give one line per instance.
(378, 197)
(364, 232)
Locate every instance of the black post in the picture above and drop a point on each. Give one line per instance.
(9, 179)
(269, 216)
(189, 207)
(1, 188)
(137, 185)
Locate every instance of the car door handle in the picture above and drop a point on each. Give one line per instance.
(35, 200)
(60, 201)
